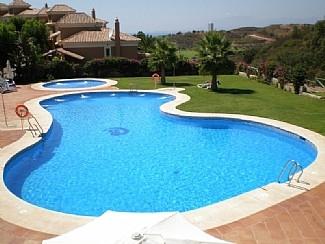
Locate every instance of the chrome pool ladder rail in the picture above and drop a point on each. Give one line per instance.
(34, 126)
(132, 87)
(295, 167)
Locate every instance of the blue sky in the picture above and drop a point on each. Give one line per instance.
(186, 15)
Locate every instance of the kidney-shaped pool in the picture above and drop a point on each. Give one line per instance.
(117, 151)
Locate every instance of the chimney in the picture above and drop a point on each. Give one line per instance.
(93, 13)
(117, 38)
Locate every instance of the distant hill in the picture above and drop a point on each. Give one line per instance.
(245, 37)
(302, 44)
(283, 45)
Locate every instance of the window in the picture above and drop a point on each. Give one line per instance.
(108, 52)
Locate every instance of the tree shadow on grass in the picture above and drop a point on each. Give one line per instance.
(235, 91)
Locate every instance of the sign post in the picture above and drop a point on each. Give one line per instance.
(156, 78)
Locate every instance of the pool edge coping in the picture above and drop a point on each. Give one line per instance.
(40, 86)
(19, 212)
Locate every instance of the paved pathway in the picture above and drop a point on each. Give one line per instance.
(298, 220)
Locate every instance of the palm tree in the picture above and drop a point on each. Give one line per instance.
(214, 50)
(147, 42)
(162, 56)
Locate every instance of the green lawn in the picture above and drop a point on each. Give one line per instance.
(188, 53)
(242, 96)
(320, 94)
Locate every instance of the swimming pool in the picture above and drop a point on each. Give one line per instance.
(73, 83)
(117, 151)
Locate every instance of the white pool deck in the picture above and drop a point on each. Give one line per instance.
(19, 212)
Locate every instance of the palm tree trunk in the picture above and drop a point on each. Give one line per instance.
(163, 75)
(214, 83)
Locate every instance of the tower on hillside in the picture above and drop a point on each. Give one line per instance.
(210, 27)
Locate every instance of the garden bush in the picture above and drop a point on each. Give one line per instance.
(60, 69)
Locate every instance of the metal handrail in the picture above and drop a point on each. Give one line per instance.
(132, 87)
(295, 167)
(35, 128)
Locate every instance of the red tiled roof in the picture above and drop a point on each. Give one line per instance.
(126, 37)
(29, 12)
(71, 54)
(76, 18)
(3, 7)
(19, 3)
(7, 15)
(88, 36)
(61, 8)
(97, 36)
(101, 21)
(43, 11)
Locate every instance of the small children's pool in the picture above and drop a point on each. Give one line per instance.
(117, 151)
(74, 83)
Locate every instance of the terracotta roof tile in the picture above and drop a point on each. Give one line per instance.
(7, 15)
(126, 37)
(97, 36)
(76, 18)
(71, 54)
(3, 7)
(29, 12)
(19, 3)
(43, 11)
(88, 36)
(101, 21)
(61, 8)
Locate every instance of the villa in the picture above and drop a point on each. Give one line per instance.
(76, 35)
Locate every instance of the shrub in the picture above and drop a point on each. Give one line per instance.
(298, 75)
(144, 68)
(228, 67)
(183, 67)
(112, 67)
(61, 69)
(94, 67)
(270, 68)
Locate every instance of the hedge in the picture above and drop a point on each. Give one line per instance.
(103, 68)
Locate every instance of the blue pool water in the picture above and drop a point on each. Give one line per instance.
(67, 84)
(117, 151)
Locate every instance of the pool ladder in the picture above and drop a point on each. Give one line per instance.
(132, 87)
(294, 167)
(34, 126)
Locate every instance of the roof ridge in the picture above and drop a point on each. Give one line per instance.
(73, 18)
(19, 3)
(61, 5)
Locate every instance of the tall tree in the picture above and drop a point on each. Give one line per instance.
(7, 42)
(37, 33)
(162, 56)
(22, 42)
(214, 50)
